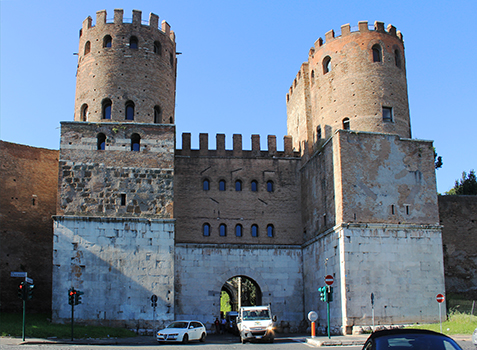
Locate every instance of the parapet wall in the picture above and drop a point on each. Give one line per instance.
(237, 150)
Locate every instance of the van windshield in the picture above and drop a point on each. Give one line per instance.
(256, 315)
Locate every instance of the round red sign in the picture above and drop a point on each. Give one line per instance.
(329, 280)
(440, 298)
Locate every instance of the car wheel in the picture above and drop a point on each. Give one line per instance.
(185, 338)
(202, 337)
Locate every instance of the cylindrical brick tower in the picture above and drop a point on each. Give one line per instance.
(126, 71)
(354, 81)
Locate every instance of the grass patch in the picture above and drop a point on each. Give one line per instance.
(40, 326)
(456, 323)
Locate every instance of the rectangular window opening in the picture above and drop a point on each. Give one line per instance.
(387, 114)
(123, 198)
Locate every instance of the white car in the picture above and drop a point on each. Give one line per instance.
(182, 331)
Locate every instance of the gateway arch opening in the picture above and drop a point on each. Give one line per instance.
(239, 291)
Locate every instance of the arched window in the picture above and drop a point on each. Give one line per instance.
(318, 132)
(397, 58)
(101, 141)
(87, 48)
(238, 185)
(157, 48)
(238, 230)
(206, 229)
(84, 112)
(107, 41)
(133, 43)
(129, 110)
(269, 186)
(254, 186)
(157, 115)
(206, 185)
(270, 230)
(106, 108)
(377, 56)
(222, 185)
(326, 64)
(254, 230)
(346, 124)
(135, 142)
(222, 230)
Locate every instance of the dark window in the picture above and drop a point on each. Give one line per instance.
(270, 230)
(107, 41)
(238, 185)
(254, 230)
(84, 113)
(346, 124)
(101, 144)
(133, 43)
(135, 142)
(387, 114)
(223, 230)
(270, 186)
(171, 121)
(254, 186)
(171, 59)
(123, 198)
(206, 185)
(129, 110)
(397, 58)
(87, 48)
(157, 48)
(377, 57)
(222, 185)
(312, 76)
(206, 230)
(106, 107)
(238, 230)
(318, 132)
(326, 64)
(157, 115)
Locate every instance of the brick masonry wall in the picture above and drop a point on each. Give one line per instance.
(27, 201)
(458, 215)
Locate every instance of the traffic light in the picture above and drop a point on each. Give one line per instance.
(29, 291)
(329, 293)
(77, 296)
(22, 291)
(323, 293)
(71, 296)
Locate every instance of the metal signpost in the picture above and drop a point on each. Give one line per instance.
(440, 299)
(25, 292)
(154, 305)
(326, 295)
(74, 298)
(313, 316)
(372, 307)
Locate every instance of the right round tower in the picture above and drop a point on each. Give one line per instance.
(354, 81)
(126, 70)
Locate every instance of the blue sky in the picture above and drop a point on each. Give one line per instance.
(239, 59)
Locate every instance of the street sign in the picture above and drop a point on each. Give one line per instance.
(29, 280)
(18, 274)
(440, 298)
(329, 280)
(312, 316)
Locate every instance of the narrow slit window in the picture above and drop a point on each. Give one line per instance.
(157, 115)
(129, 110)
(397, 58)
(318, 132)
(326, 64)
(346, 124)
(270, 230)
(133, 43)
(254, 186)
(222, 185)
(84, 113)
(106, 108)
(377, 55)
(269, 186)
(157, 48)
(206, 185)
(87, 48)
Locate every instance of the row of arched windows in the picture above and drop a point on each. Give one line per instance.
(222, 230)
(238, 185)
(133, 44)
(135, 142)
(129, 109)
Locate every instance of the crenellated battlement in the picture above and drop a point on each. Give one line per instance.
(136, 20)
(237, 150)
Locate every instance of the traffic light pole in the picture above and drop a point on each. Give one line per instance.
(328, 317)
(23, 325)
(72, 319)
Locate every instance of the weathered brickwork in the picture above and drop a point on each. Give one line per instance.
(29, 178)
(117, 73)
(458, 215)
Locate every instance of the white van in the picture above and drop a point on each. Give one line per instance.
(256, 323)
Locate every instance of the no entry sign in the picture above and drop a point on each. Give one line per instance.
(329, 280)
(440, 298)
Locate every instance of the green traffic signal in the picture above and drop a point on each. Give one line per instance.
(323, 293)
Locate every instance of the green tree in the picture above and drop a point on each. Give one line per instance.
(437, 160)
(467, 185)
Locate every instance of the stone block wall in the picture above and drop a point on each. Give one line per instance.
(119, 264)
(28, 184)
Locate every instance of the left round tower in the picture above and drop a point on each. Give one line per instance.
(126, 70)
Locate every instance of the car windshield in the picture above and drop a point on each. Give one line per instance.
(178, 325)
(415, 341)
(256, 315)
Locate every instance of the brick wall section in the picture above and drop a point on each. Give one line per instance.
(120, 72)
(458, 215)
(93, 182)
(27, 201)
(194, 207)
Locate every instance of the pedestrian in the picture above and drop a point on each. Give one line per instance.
(217, 325)
(224, 322)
